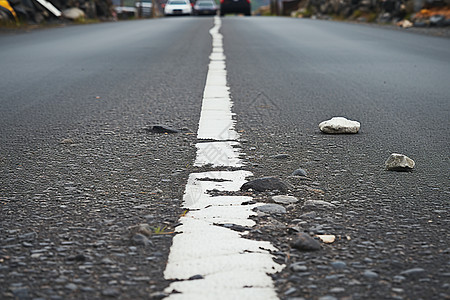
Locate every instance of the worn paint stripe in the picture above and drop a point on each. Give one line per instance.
(230, 266)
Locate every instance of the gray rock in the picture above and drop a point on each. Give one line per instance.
(399, 162)
(338, 264)
(271, 209)
(304, 242)
(398, 279)
(284, 199)
(71, 286)
(339, 125)
(265, 184)
(161, 129)
(299, 172)
(141, 240)
(299, 267)
(414, 272)
(290, 291)
(309, 215)
(318, 204)
(370, 274)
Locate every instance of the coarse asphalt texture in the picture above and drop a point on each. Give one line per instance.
(78, 171)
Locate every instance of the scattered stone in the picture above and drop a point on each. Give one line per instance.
(79, 257)
(309, 215)
(284, 199)
(73, 13)
(290, 291)
(414, 272)
(66, 141)
(337, 290)
(271, 209)
(299, 267)
(29, 237)
(370, 274)
(158, 295)
(328, 297)
(299, 172)
(71, 286)
(398, 279)
(318, 204)
(338, 125)
(161, 129)
(399, 162)
(107, 261)
(144, 229)
(338, 264)
(265, 184)
(141, 240)
(280, 156)
(111, 292)
(327, 238)
(304, 242)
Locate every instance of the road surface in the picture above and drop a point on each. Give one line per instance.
(79, 171)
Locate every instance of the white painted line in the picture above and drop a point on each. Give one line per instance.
(229, 266)
(218, 154)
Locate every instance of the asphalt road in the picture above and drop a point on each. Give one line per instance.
(77, 170)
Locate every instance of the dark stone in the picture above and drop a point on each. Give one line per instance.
(141, 240)
(265, 184)
(79, 257)
(280, 156)
(299, 172)
(338, 265)
(304, 242)
(161, 129)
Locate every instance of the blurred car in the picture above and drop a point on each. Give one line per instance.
(205, 7)
(236, 7)
(177, 7)
(144, 8)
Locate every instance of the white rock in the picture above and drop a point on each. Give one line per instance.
(73, 13)
(339, 125)
(327, 238)
(399, 162)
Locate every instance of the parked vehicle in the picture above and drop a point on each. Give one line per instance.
(177, 7)
(236, 7)
(205, 7)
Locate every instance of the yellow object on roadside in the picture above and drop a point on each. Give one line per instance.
(5, 4)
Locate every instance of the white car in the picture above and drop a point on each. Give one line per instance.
(177, 7)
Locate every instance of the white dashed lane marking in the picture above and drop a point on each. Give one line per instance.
(228, 265)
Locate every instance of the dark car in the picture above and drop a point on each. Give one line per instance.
(205, 7)
(235, 7)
